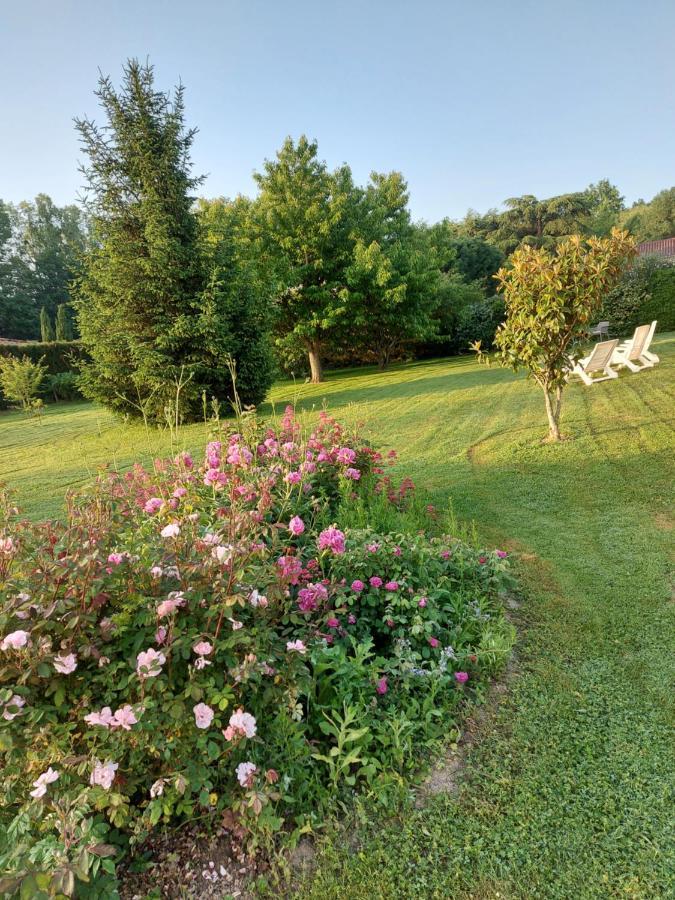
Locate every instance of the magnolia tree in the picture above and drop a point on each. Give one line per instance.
(551, 297)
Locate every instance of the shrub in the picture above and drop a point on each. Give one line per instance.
(20, 379)
(64, 386)
(646, 292)
(58, 356)
(196, 642)
(479, 322)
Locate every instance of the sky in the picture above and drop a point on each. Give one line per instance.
(473, 101)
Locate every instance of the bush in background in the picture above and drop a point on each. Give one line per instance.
(646, 292)
(479, 322)
(64, 386)
(20, 379)
(211, 642)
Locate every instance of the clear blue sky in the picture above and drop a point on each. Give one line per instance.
(473, 101)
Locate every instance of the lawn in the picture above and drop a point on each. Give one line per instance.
(569, 792)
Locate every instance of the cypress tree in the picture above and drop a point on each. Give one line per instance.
(46, 327)
(64, 327)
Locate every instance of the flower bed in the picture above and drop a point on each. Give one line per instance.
(211, 640)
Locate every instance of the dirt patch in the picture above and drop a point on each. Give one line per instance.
(664, 522)
(448, 772)
(190, 863)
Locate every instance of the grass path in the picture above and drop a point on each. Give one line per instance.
(570, 791)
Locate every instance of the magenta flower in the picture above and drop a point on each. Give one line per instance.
(153, 505)
(357, 586)
(354, 474)
(351, 619)
(502, 554)
(345, 456)
(296, 526)
(391, 586)
(434, 642)
(115, 558)
(293, 478)
(461, 677)
(382, 686)
(332, 539)
(376, 581)
(333, 622)
(422, 602)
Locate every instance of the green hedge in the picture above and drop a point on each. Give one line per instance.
(645, 292)
(59, 356)
(661, 303)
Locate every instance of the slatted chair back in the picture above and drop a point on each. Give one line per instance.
(601, 355)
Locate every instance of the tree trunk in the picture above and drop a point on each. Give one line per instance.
(553, 406)
(316, 368)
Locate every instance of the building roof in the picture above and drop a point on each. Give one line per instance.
(665, 247)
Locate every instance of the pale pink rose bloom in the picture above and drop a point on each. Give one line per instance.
(202, 662)
(211, 538)
(124, 718)
(104, 773)
(149, 663)
(245, 773)
(171, 530)
(296, 646)
(203, 715)
(7, 545)
(16, 701)
(153, 505)
(203, 648)
(156, 571)
(236, 625)
(242, 724)
(222, 554)
(255, 598)
(41, 784)
(65, 664)
(15, 640)
(166, 607)
(115, 558)
(103, 718)
(157, 788)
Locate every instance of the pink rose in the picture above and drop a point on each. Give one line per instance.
(461, 677)
(296, 526)
(382, 686)
(357, 586)
(203, 715)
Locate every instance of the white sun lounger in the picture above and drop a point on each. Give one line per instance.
(597, 362)
(635, 353)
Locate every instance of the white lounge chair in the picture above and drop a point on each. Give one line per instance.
(635, 353)
(597, 361)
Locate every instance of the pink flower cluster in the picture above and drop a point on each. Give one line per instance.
(332, 539)
(124, 717)
(241, 725)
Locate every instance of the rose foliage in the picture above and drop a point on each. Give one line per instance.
(210, 639)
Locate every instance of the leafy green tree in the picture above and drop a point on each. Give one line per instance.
(64, 327)
(303, 218)
(46, 327)
(604, 205)
(18, 312)
(392, 278)
(152, 316)
(245, 286)
(652, 221)
(551, 297)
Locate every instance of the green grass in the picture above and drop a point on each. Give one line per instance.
(570, 790)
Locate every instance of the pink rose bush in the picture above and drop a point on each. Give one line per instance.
(189, 642)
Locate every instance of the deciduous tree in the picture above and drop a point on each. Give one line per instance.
(551, 297)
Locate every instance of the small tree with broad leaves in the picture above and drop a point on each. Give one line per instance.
(552, 296)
